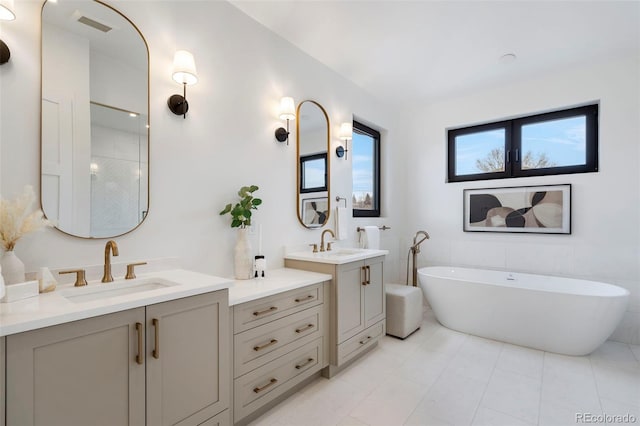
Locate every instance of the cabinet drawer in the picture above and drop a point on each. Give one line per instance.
(222, 419)
(267, 309)
(261, 386)
(360, 342)
(267, 342)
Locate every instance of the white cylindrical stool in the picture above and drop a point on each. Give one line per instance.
(404, 309)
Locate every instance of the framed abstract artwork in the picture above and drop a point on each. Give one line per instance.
(315, 211)
(522, 209)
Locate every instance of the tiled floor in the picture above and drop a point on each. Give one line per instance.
(441, 377)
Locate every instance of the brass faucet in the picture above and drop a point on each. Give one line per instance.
(111, 247)
(322, 239)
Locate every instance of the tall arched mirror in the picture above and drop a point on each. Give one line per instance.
(94, 120)
(313, 188)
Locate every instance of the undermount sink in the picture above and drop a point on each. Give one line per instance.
(337, 255)
(100, 291)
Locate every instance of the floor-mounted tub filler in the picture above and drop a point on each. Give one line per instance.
(563, 315)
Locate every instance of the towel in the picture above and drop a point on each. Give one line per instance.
(342, 223)
(371, 237)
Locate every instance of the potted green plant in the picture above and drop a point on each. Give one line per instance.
(241, 219)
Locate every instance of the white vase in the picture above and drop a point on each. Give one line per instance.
(242, 255)
(2, 289)
(12, 268)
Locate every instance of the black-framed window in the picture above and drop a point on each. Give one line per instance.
(365, 149)
(313, 173)
(552, 143)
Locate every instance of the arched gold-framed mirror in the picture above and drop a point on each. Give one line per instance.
(313, 187)
(94, 120)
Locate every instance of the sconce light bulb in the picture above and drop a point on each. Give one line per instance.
(346, 131)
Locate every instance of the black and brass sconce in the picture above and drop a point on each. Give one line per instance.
(346, 134)
(287, 112)
(6, 14)
(184, 72)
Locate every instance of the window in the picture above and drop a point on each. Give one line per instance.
(553, 143)
(365, 148)
(313, 173)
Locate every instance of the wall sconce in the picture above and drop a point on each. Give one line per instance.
(6, 14)
(287, 112)
(184, 72)
(346, 134)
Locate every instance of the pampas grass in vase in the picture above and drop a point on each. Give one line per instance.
(16, 221)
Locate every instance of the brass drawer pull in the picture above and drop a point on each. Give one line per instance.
(304, 299)
(156, 326)
(362, 342)
(305, 328)
(271, 383)
(364, 273)
(304, 364)
(139, 358)
(266, 311)
(266, 345)
(368, 274)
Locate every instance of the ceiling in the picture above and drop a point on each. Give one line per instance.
(404, 51)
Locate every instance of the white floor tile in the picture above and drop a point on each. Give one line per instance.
(518, 359)
(615, 354)
(636, 351)
(614, 408)
(554, 413)
(488, 417)
(423, 367)
(513, 394)
(453, 398)
(350, 421)
(618, 384)
(570, 382)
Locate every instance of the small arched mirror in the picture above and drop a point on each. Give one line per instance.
(95, 120)
(313, 187)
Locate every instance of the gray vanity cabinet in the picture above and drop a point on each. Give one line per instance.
(187, 359)
(2, 382)
(164, 364)
(357, 306)
(79, 373)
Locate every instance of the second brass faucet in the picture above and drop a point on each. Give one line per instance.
(110, 247)
(322, 240)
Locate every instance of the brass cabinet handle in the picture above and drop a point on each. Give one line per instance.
(305, 328)
(131, 274)
(304, 364)
(266, 345)
(368, 274)
(363, 271)
(266, 311)
(271, 383)
(156, 349)
(81, 279)
(362, 342)
(139, 358)
(304, 299)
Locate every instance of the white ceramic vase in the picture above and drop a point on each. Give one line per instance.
(12, 268)
(242, 255)
(2, 287)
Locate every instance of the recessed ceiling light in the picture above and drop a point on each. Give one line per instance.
(507, 58)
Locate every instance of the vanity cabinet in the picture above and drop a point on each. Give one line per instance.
(2, 381)
(279, 341)
(357, 299)
(164, 364)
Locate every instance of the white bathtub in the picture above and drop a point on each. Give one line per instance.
(563, 315)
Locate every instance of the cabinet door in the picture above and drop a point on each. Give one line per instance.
(374, 296)
(349, 300)
(187, 359)
(80, 373)
(2, 361)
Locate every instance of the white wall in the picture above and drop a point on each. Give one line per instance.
(605, 240)
(198, 164)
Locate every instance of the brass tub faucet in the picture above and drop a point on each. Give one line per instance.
(110, 247)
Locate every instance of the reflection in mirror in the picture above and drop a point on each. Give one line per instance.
(313, 164)
(95, 126)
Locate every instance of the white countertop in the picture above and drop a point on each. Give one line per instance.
(337, 256)
(276, 281)
(53, 308)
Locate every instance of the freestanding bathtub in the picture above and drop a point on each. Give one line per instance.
(562, 315)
